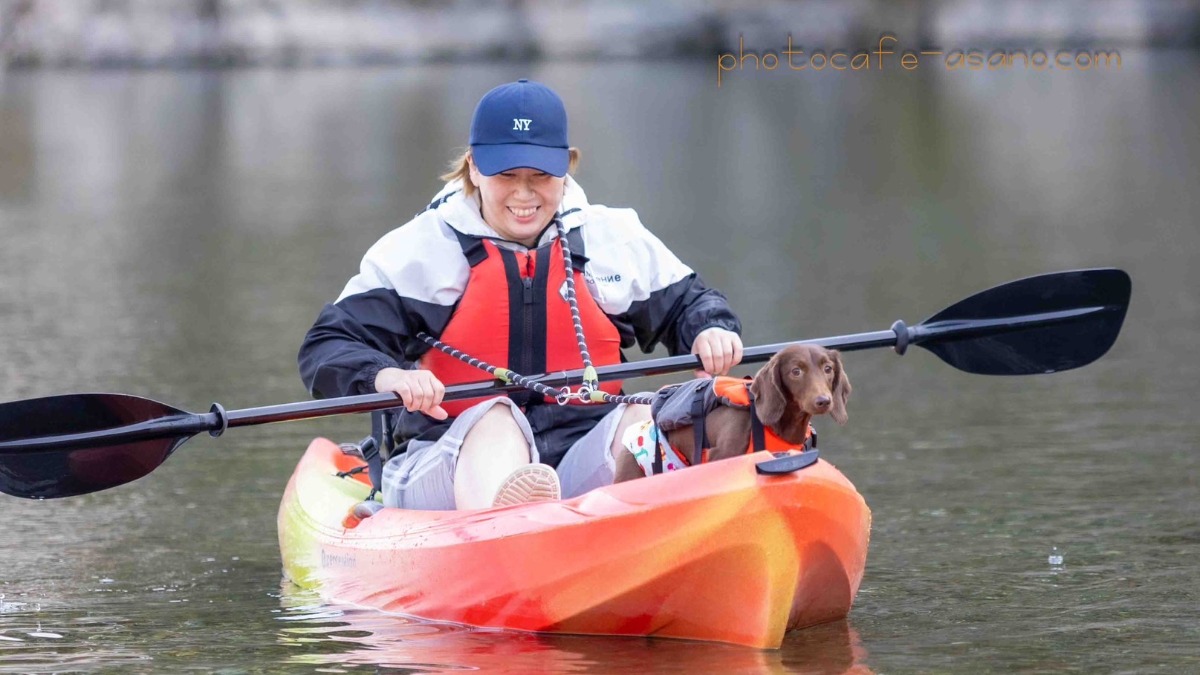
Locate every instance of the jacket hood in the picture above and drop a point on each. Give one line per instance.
(463, 213)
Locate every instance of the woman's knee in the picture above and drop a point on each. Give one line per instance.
(498, 419)
(498, 431)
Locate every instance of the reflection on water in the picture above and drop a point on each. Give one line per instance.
(173, 234)
(352, 638)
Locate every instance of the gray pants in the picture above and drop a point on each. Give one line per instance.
(423, 477)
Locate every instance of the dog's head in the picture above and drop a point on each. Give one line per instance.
(801, 380)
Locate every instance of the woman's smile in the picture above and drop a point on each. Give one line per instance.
(523, 214)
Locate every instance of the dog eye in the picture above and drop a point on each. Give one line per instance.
(797, 371)
(828, 368)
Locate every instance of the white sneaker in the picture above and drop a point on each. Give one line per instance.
(529, 483)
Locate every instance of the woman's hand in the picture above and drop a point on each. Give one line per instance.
(419, 389)
(718, 349)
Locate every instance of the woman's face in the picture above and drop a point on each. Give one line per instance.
(519, 203)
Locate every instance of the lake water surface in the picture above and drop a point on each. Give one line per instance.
(173, 235)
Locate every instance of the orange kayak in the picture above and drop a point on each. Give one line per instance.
(715, 552)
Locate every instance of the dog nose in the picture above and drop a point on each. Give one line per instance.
(823, 402)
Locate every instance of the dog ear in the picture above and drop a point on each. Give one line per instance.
(841, 388)
(770, 398)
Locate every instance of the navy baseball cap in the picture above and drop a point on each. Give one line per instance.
(518, 125)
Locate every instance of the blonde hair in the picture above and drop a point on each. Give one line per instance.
(460, 168)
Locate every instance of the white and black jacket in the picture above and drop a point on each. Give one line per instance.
(412, 279)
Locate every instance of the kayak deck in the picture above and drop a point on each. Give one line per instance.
(716, 552)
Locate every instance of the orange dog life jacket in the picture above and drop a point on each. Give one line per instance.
(688, 404)
(736, 390)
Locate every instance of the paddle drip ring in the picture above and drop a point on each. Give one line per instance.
(222, 419)
(901, 332)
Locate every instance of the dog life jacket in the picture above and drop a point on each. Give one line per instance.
(688, 404)
(505, 315)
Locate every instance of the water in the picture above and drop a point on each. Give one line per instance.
(173, 234)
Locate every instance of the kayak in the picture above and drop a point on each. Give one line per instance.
(716, 552)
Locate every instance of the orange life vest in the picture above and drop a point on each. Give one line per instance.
(514, 314)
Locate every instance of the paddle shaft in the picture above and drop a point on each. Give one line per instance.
(899, 334)
(662, 366)
(218, 419)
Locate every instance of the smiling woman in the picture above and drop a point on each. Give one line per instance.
(502, 266)
(515, 200)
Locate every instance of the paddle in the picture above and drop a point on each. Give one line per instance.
(74, 444)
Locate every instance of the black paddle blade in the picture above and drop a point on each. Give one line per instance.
(1041, 324)
(90, 452)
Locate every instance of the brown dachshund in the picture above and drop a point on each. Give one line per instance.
(797, 384)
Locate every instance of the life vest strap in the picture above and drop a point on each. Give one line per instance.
(472, 247)
(699, 414)
(758, 434)
(575, 244)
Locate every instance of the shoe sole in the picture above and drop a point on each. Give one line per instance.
(533, 483)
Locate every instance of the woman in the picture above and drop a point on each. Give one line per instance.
(483, 270)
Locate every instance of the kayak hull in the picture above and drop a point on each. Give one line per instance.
(716, 552)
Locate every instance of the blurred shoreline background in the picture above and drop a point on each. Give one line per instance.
(235, 33)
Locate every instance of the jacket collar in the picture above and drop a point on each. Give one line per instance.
(462, 212)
